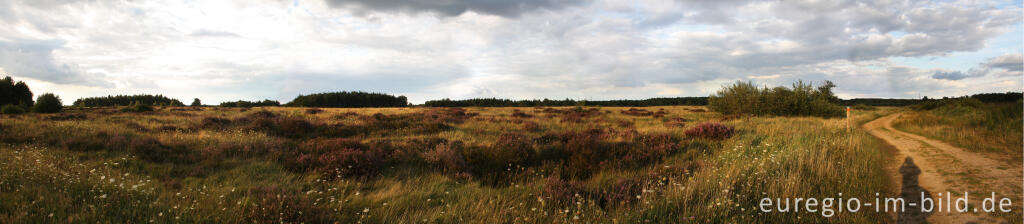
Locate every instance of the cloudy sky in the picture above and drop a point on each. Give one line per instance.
(580, 49)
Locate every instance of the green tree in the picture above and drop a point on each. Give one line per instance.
(196, 103)
(48, 103)
(22, 94)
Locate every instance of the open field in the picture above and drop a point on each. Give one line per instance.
(992, 129)
(519, 165)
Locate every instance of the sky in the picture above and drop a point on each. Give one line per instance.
(518, 49)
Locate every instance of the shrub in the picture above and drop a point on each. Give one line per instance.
(67, 117)
(710, 131)
(276, 204)
(448, 157)
(623, 192)
(137, 108)
(151, 149)
(337, 157)
(637, 112)
(314, 110)
(491, 165)
(676, 122)
(531, 126)
(800, 100)
(214, 123)
(12, 109)
(561, 191)
(520, 114)
(48, 103)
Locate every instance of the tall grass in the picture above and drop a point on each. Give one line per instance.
(970, 124)
(493, 165)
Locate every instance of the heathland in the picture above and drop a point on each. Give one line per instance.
(527, 164)
(147, 158)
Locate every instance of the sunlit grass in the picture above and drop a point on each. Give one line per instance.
(238, 179)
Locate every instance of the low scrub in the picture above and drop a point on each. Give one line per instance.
(337, 157)
(12, 109)
(710, 131)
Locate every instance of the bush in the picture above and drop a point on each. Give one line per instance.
(12, 109)
(48, 103)
(337, 157)
(137, 108)
(520, 114)
(448, 157)
(710, 131)
(637, 112)
(151, 149)
(801, 100)
(277, 204)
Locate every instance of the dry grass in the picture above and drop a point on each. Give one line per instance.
(994, 129)
(491, 165)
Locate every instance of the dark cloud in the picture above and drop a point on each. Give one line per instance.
(954, 75)
(504, 8)
(34, 59)
(1010, 62)
(1005, 65)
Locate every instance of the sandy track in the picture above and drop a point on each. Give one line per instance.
(945, 168)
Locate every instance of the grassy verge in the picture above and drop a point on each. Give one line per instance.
(989, 128)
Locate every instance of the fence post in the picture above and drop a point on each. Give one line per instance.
(848, 118)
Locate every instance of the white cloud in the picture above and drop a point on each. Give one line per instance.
(605, 49)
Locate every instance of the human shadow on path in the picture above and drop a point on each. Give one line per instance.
(911, 192)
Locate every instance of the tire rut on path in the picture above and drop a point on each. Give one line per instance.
(946, 168)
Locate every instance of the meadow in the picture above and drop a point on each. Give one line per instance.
(989, 128)
(431, 165)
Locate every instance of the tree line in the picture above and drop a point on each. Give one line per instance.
(348, 99)
(243, 103)
(16, 98)
(127, 100)
(12, 93)
(495, 102)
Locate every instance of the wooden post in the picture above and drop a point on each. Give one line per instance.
(848, 118)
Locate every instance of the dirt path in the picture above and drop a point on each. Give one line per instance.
(945, 168)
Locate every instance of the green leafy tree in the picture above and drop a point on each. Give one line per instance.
(22, 94)
(196, 103)
(48, 103)
(802, 99)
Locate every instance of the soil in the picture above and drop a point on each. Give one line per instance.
(945, 168)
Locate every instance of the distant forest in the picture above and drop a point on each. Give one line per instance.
(127, 100)
(365, 99)
(494, 102)
(348, 99)
(243, 103)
